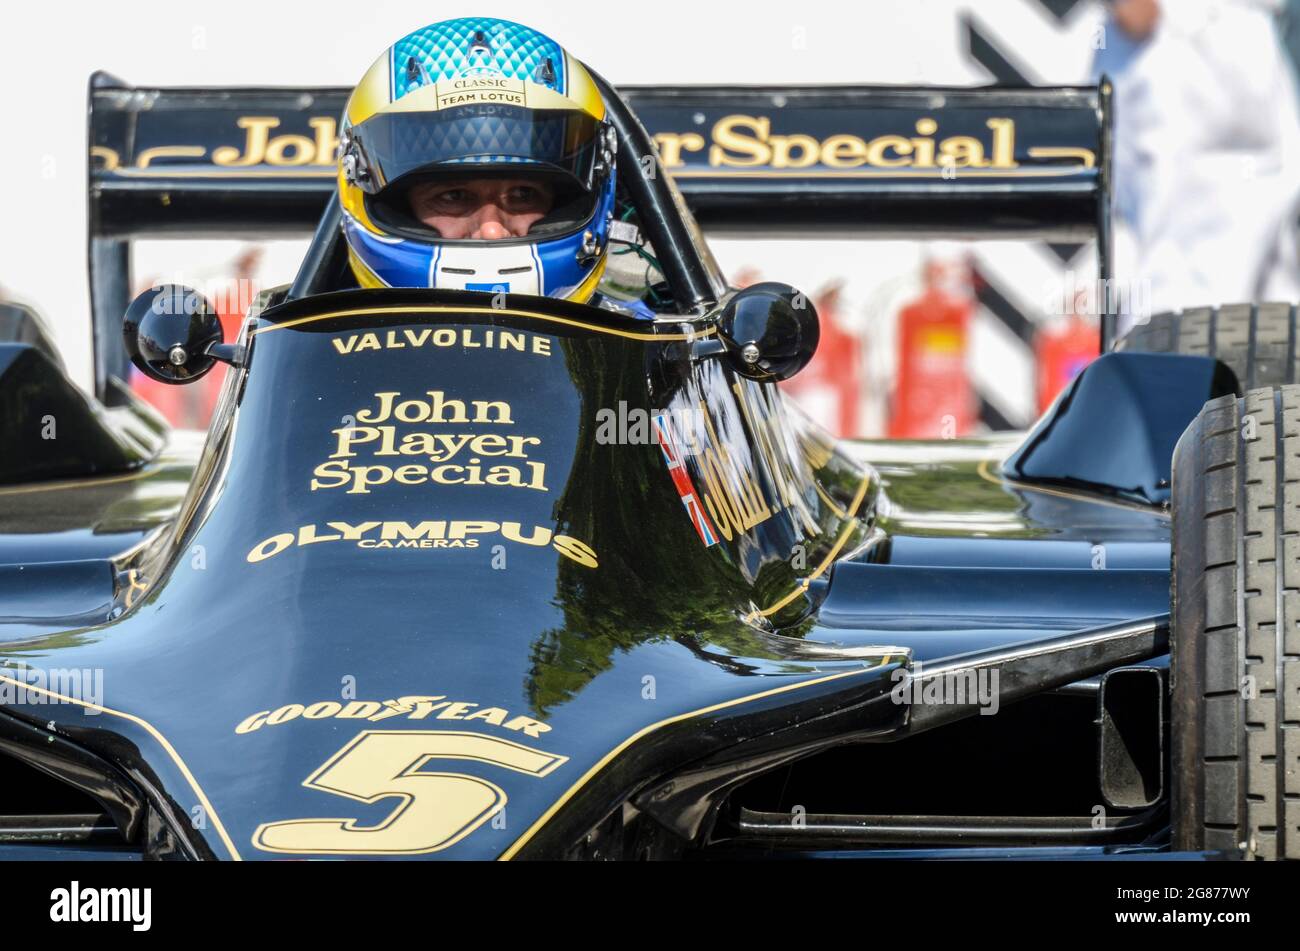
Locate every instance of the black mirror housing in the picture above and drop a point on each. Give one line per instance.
(770, 331)
(170, 332)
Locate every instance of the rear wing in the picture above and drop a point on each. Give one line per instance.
(810, 161)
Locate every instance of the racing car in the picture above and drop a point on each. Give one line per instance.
(474, 575)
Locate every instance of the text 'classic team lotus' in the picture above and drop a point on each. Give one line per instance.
(470, 572)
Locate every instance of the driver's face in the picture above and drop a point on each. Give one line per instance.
(481, 207)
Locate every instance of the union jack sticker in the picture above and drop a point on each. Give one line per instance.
(682, 480)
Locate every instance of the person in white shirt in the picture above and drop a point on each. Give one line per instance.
(1207, 150)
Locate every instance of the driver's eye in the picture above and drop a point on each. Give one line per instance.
(524, 197)
(451, 197)
(446, 201)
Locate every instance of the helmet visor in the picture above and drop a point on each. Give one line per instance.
(390, 146)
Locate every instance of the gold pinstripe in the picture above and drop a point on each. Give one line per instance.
(444, 309)
(90, 483)
(879, 173)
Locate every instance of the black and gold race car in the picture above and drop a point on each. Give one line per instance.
(469, 575)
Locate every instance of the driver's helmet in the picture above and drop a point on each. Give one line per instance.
(477, 99)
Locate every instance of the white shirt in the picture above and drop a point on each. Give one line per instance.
(1207, 154)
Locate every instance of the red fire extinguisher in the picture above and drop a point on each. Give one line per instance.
(828, 388)
(1062, 349)
(933, 397)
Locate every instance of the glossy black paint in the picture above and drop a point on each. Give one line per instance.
(1049, 190)
(1114, 428)
(672, 666)
(545, 637)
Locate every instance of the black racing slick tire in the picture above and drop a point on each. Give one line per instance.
(1235, 627)
(1257, 341)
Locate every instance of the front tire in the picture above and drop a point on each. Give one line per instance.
(1235, 627)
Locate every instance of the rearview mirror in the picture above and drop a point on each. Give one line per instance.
(173, 334)
(770, 331)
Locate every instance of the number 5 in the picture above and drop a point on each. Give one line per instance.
(437, 809)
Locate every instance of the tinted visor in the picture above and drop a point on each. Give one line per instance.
(392, 145)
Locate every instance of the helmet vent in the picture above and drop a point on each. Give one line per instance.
(546, 73)
(515, 270)
(415, 73)
(457, 270)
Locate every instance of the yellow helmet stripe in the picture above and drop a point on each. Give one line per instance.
(584, 291)
(365, 276)
(582, 88)
(371, 94)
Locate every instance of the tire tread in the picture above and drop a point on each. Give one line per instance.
(1236, 605)
(1257, 341)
